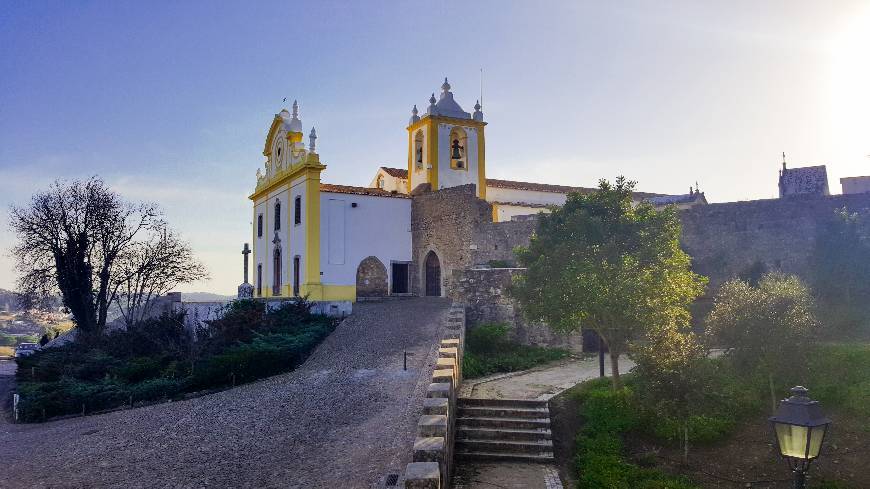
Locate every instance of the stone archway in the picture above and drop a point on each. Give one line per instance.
(432, 275)
(371, 278)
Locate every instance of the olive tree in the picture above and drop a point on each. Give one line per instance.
(605, 263)
(767, 328)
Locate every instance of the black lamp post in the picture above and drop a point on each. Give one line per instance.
(800, 428)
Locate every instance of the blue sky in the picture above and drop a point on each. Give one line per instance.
(170, 101)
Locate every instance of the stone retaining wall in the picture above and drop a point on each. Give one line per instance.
(483, 292)
(432, 462)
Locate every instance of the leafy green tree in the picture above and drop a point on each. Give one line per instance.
(601, 262)
(768, 328)
(671, 372)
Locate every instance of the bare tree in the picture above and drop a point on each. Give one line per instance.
(158, 264)
(74, 239)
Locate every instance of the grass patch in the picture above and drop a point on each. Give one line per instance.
(836, 376)
(488, 351)
(7, 351)
(158, 359)
(600, 461)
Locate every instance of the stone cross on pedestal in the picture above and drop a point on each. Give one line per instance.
(245, 252)
(246, 290)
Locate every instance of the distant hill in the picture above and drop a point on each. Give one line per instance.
(8, 301)
(204, 297)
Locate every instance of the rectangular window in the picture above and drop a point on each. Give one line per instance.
(297, 210)
(260, 280)
(296, 275)
(260, 226)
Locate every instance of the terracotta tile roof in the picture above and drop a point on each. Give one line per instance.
(662, 200)
(538, 187)
(346, 189)
(523, 204)
(516, 185)
(395, 172)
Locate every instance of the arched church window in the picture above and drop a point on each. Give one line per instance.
(277, 215)
(418, 150)
(458, 144)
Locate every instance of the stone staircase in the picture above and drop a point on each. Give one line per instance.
(503, 430)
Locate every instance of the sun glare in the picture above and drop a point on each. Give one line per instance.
(850, 94)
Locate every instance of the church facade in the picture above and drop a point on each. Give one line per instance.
(409, 229)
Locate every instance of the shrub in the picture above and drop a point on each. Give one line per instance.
(599, 461)
(768, 328)
(157, 359)
(155, 389)
(488, 351)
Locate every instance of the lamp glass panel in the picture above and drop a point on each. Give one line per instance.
(792, 440)
(818, 433)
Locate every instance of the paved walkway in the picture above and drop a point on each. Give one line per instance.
(542, 382)
(342, 420)
(539, 383)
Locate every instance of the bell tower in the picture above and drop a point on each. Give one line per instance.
(446, 146)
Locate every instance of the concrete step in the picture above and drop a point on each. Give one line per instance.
(526, 403)
(542, 457)
(477, 433)
(504, 422)
(503, 412)
(504, 446)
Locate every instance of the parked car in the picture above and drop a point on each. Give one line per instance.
(24, 349)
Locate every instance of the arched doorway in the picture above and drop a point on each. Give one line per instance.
(371, 278)
(432, 267)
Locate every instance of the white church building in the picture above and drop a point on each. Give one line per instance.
(336, 243)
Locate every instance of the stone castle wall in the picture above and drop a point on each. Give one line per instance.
(446, 222)
(728, 240)
(484, 294)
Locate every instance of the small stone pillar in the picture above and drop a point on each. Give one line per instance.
(436, 405)
(432, 425)
(423, 475)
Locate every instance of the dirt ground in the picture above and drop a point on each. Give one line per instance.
(749, 458)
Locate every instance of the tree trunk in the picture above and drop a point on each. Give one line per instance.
(614, 370)
(686, 441)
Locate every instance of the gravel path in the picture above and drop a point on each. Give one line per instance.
(342, 420)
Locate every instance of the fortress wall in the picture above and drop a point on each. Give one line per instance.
(446, 221)
(483, 292)
(727, 240)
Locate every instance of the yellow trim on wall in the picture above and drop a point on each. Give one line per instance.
(320, 292)
(494, 212)
(411, 144)
(312, 227)
(481, 165)
(432, 157)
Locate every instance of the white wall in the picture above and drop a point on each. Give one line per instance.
(506, 212)
(378, 226)
(855, 185)
(448, 177)
(391, 183)
(495, 194)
